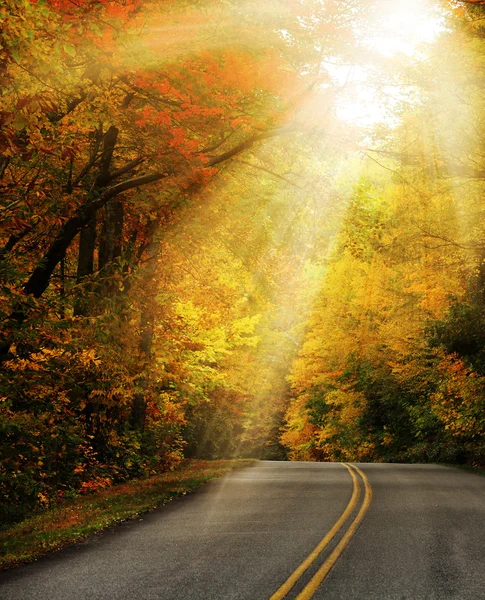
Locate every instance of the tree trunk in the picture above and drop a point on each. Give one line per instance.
(62, 288)
(110, 245)
(147, 324)
(138, 414)
(85, 264)
(87, 245)
(111, 242)
(40, 278)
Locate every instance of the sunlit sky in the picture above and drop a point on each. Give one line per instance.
(405, 28)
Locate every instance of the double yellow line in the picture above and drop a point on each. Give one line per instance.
(310, 589)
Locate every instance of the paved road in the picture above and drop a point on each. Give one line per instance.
(241, 537)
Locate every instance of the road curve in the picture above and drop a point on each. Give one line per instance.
(409, 532)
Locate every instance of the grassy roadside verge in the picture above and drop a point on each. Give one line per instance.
(75, 520)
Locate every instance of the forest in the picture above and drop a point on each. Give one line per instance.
(238, 229)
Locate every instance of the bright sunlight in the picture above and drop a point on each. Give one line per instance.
(399, 28)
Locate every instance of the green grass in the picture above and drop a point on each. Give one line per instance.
(74, 520)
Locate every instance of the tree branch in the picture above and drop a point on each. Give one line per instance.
(219, 143)
(448, 241)
(246, 145)
(92, 160)
(260, 168)
(127, 168)
(40, 278)
(455, 169)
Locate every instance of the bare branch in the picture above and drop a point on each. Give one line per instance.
(11, 205)
(454, 169)
(260, 168)
(127, 168)
(247, 144)
(14, 239)
(447, 241)
(92, 160)
(219, 143)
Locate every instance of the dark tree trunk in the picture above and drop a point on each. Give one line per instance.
(147, 323)
(87, 245)
(117, 214)
(4, 162)
(109, 142)
(103, 243)
(40, 278)
(111, 239)
(85, 265)
(110, 245)
(62, 288)
(138, 414)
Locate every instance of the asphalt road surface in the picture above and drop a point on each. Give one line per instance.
(405, 532)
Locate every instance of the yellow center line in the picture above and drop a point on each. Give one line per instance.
(295, 576)
(323, 571)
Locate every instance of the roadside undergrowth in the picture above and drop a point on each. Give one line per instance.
(76, 519)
